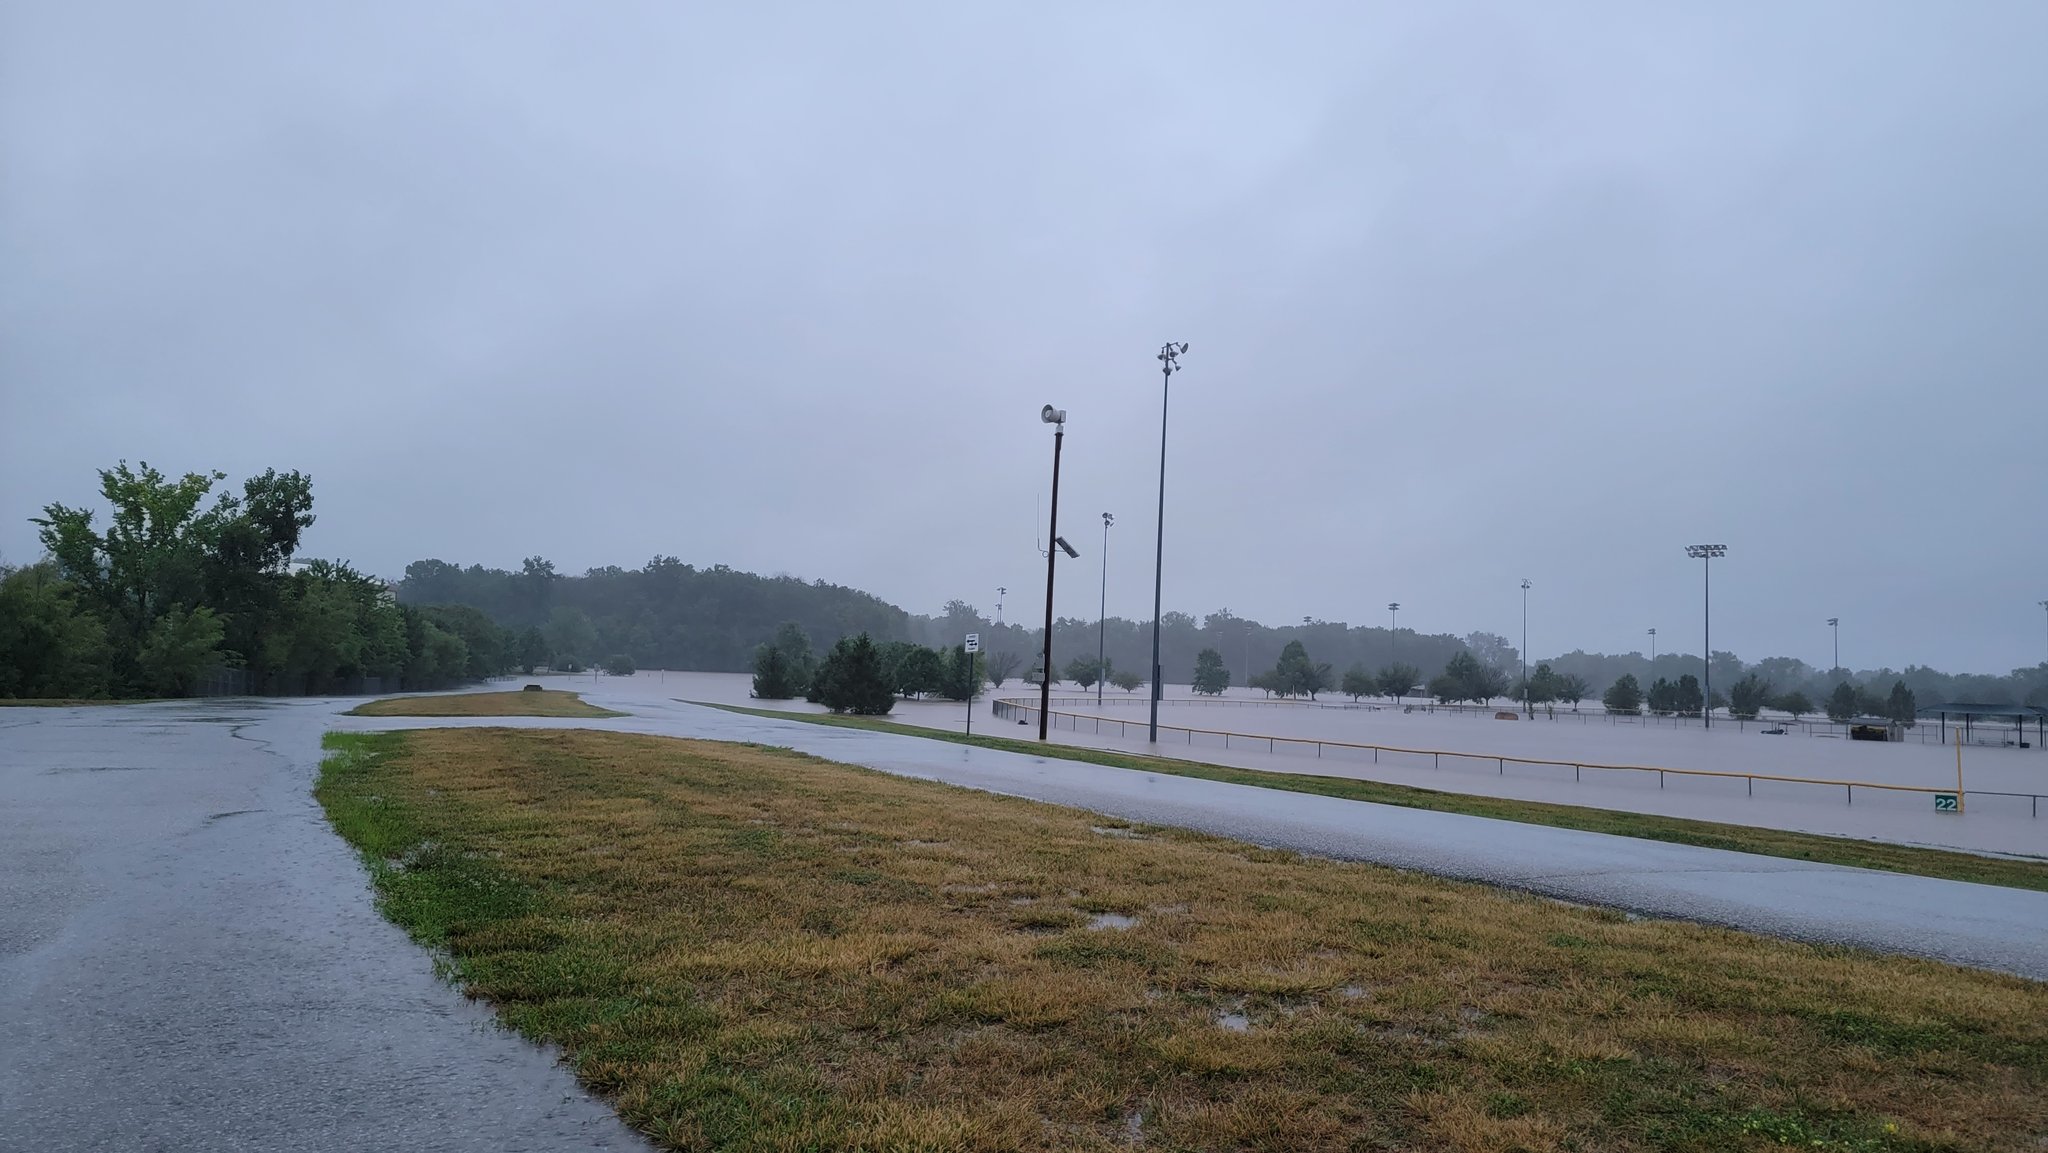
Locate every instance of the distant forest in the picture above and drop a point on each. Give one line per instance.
(190, 587)
(673, 615)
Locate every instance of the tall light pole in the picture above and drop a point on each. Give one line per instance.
(1528, 693)
(1057, 418)
(1653, 651)
(1101, 613)
(2044, 606)
(1835, 623)
(1393, 620)
(999, 603)
(1169, 363)
(1706, 553)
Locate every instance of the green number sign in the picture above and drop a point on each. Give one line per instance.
(1944, 802)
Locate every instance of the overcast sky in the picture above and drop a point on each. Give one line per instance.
(1474, 294)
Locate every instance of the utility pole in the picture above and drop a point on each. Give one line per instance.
(1528, 692)
(1169, 363)
(1058, 419)
(1706, 553)
(1101, 614)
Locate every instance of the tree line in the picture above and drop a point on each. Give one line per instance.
(187, 581)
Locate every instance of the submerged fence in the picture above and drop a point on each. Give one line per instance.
(1026, 711)
(1984, 732)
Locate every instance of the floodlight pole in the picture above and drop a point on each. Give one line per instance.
(2044, 607)
(1528, 693)
(1052, 552)
(1706, 554)
(1653, 652)
(1835, 623)
(1393, 620)
(1169, 363)
(999, 605)
(1101, 619)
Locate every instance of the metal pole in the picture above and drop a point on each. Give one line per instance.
(1528, 694)
(1707, 641)
(1167, 364)
(1102, 620)
(1052, 552)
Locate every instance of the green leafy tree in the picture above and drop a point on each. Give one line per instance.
(1297, 675)
(1473, 680)
(1900, 706)
(1624, 696)
(571, 638)
(620, 665)
(795, 644)
(1687, 698)
(1001, 667)
(1748, 697)
(533, 650)
(182, 645)
(1126, 680)
(51, 645)
(1447, 689)
(919, 672)
(1795, 703)
(1084, 671)
(964, 674)
(852, 679)
(1211, 677)
(1358, 683)
(1574, 688)
(1843, 703)
(775, 678)
(1663, 697)
(1398, 680)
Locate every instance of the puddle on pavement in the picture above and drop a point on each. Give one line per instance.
(1112, 921)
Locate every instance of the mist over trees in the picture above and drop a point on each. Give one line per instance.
(668, 614)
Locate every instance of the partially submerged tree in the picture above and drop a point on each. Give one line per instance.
(1748, 697)
(852, 680)
(1398, 680)
(1358, 683)
(1211, 677)
(1624, 696)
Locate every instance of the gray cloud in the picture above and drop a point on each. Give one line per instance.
(1475, 293)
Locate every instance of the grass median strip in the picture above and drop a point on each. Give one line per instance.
(2009, 872)
(750, 949)
(543, 703)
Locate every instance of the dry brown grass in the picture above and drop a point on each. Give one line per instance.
(750, 949)
(545, 703)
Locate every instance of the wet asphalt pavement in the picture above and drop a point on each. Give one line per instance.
(189, 957)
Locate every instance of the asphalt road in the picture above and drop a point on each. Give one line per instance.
(189, 958)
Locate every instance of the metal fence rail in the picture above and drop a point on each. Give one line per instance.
(1023, 711)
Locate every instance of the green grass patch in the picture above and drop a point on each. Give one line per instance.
(2012, 873)
(751, 949)
(541, 703)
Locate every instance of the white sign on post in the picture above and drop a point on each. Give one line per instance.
(972, 647)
